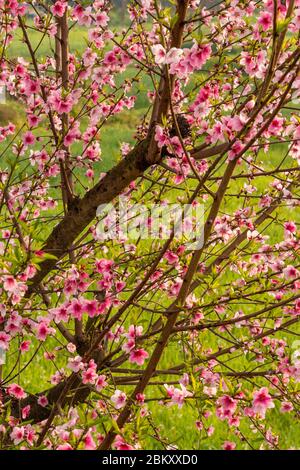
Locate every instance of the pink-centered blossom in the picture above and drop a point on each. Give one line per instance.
(59, 8)
(119, 399)
(17, 434)
(265, 20)
(138, 356)
(16, 391)
(262, 401)
(4, 340)
(159, 53)
(229, 445)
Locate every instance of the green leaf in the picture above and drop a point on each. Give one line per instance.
(173, 20)
(115, 426)
(43, 257)
(283, 24)
(164, 121)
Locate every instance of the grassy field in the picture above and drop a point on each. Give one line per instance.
(179, 424)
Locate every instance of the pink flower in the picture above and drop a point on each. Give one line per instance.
(184, 379)
(30, 434)
(297, 17)
(59, 8)
(119, 399)
(43, 401)
(199, 425)
(89, 376)
(171, 257)
(276, 126)
(104, 266)
(102, 19)
(101, 383)
(216, 133)
(26, 411)
(290, 272)
(60, 314)
(176, 147)
(138, 356)
(134, 331)
(89, 443)
(63, 105)
(24, 346)
(71, 347)
(160, 136)
(120, 286)
(262, 401)
(89, 173)
(173, 55)
(198, 55)
(228, 445)
(227, 407)
(252, 234)
(28, 138)
(265, 20)
(89, 57)
(16, 391)
(177, 395)
(42, 331)
(10, 284)
(4, 340)
(31, 87)
(77, 308)
(33, 120)
(235, 150)
(286, 407)
(75, 364)
(64, 447)
(159, 53)
(290, 227)
(140, 398)
(57, 377)
(91, 308)
(120, 444)
(17, 435)
(129, 345)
